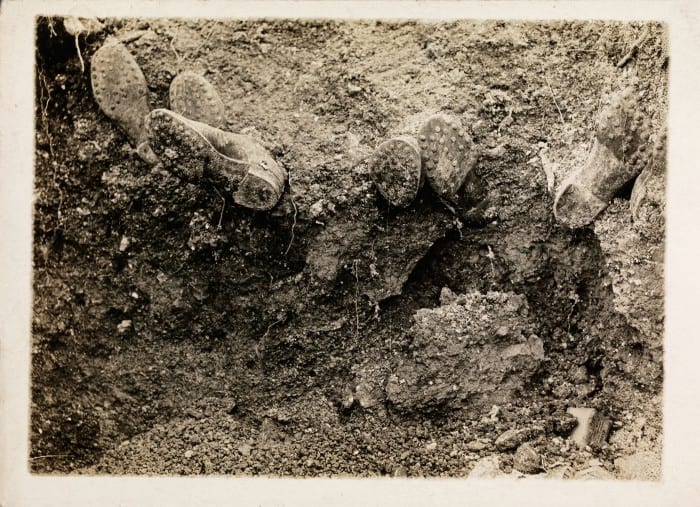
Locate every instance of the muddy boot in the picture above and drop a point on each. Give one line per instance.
(120, 90)
(236, 163)
(647, 202)
(620, 152)
(193, 97)
(395, 168)
(448, 154)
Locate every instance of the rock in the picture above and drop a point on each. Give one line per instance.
(457, 358)
(431, 446)
(82, 26)
(365, 395)
(565, 424)
(124, 244)
(592, 428)
(477, 445)
(527, 459)
(123, 326)
(486, 468)
(641, 466)
(189, 453)
(511, 439)
(245, 449)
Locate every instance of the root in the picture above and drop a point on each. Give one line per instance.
(635, 47)
(80, 56)
(561, 116)
(294, 223)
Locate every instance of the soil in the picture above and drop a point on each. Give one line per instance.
(175, 332)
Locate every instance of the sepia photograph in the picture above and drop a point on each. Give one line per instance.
(348, 247)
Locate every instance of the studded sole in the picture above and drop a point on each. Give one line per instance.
(619, 153)
(448, 154)
(395, 168)
(193, 97)
(120, 89)
(236, 163)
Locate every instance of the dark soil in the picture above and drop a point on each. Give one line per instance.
(175, 332)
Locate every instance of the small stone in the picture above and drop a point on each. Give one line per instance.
(527, 459)
(431, 446)
(486, 468)
(123, 326)
(565, 425)
(189, 453)
(244, 449)
(477, 445)
(511, 439)
(124, 244)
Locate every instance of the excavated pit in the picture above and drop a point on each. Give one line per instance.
(176, 332)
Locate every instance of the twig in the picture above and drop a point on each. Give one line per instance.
(561, 116)
(260, 346)
(206, 39)
(44, 111)
(132, 36)
(223, 206)
(177, 56)
(49, 456)
(80, 56)
(635, 47)
(294, 223)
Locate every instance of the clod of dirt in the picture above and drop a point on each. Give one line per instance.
(512, 439)
(82, 26)
(527, 460)
(120, 89)
(367, 249)
(620, 152)
(396, 170)
(475, 350)
(193, 97)
(448, 154)
(237, 163)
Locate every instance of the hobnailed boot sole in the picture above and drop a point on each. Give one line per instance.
(120, 89)
(396, 170)
(448, 154)
(237, 163)
(620, 152)
(193, 97)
